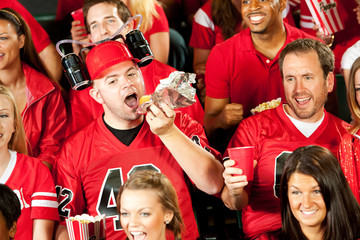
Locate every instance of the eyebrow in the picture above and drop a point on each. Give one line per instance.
(317, 186)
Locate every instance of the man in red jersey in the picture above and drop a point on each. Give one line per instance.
(243, 71)
(103, 19)
(307, 67)
(95, 161)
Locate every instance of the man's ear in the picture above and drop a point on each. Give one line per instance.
(282, 4)
(330, 81)
(12, 230)
(95, 94)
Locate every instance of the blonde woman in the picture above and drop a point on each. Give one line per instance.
(26, 176)
(155, 26)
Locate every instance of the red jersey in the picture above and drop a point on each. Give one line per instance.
(39, 36)
(84, 109)
(44, 116)
(160, 24)
(34, 186)
(93, 164)
(244, 75)
(275, 137)
(343, 39)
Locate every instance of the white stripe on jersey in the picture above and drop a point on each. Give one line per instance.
(307, 17)
(203, 19)
(44, 203)
(309, 25)
(46, 194)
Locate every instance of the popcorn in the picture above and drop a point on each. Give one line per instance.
(86, 227)
(266, 105)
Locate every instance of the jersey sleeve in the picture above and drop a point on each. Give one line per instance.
(68, 184)
(195, 132)
(160, 24)
(203, 31)
(217, 80)
(43, 201)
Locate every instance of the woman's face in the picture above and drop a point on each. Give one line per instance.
(142, 215)
(6, 121)
(10, 44)
(306, 201)
(357, 86)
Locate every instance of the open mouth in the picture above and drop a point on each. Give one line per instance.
(132, 101)
(138, 235)
(302, 101)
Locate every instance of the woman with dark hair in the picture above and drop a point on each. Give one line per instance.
(9, 212)
(316, 201)
(38, 98)
(349, 149)
(148, 206)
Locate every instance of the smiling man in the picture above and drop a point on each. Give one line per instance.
(307, 68)
(243, 71)
(94, 162)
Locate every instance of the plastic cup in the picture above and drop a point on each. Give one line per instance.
(244, 159)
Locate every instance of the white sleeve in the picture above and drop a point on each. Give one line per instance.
(350, 55)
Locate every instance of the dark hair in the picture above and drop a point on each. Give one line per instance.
(28, 53)
(149, 179)
(306, 45)
(10, 207)
(351, 97)
(342, 219)
(226, 16)
(123, 11)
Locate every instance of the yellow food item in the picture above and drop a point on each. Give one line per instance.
(144, 99)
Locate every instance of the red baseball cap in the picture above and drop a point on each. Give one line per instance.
(106, 55)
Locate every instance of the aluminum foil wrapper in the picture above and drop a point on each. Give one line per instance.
(176, 91)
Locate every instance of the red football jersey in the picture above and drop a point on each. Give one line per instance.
(275, 137)
(93, 164)
(32, 182)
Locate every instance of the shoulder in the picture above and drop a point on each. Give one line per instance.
(31, 164)
(295, 33)
(341, 124)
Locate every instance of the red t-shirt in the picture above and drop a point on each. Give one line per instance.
(275, 137)
(34, 186)
(39, 35)
(64, 7)
(93, 164)
(237, 71)
(160, 24)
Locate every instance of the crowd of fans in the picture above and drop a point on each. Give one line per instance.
(65, 152)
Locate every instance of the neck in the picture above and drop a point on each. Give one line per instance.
(313, 233)
(13, 77)
(120, 123)
(270, 42)
(4, 159)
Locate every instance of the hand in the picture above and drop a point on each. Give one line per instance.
(234, 178)
(160, 119)
(231, 115)
(199, 69)
(328, 39)
(77, 33)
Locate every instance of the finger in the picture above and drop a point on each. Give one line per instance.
(149, 116)
(155, 110)
(236, 179)
(229, 163)
(230, 171)
(167, 110)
